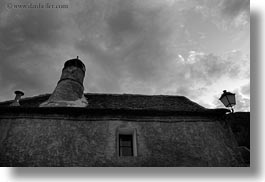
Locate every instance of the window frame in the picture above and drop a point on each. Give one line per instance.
(127, 131)
(124, 138)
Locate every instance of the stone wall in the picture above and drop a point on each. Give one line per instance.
(87, 141)
(239, 122)
(240, 125)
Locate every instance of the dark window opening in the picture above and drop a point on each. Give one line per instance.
(125, 145)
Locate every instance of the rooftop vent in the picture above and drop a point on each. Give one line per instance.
(19, 94)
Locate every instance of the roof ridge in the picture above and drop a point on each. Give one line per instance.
(26, 98)
(145, 95)
(112, 94)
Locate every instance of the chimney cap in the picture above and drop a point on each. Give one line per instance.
(18, 92)
(75, 62)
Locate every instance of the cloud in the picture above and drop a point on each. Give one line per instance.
(245, 90)
(242, 98)
(147, 47)
(209, 67)
(202, 77)
(226, 13)
(128, 40)
(237, 10)
(27, 40)
(235, 7)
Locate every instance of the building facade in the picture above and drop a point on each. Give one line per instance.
(70, 128)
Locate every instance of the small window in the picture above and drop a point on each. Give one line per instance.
(126, 142)
(125, 145)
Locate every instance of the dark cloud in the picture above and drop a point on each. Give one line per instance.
(226, 13)
(147, 47)
(27, 27)
(31, 73)
(127, 41)
(122, 22)
(27, 38)
(235, 7)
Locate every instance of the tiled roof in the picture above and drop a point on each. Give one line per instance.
(142, 102)
(125, 102)
(29, 101)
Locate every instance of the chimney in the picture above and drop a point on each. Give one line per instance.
(69, 91)
(19, 94)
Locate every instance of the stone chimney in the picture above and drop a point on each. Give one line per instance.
(19, 94)
(69, 91)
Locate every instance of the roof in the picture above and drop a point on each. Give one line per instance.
(135, 102)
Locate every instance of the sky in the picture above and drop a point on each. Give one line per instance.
(193, 48)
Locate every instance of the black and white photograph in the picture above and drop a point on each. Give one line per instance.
(125, 83)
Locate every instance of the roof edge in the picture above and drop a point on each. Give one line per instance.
(88, 111)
